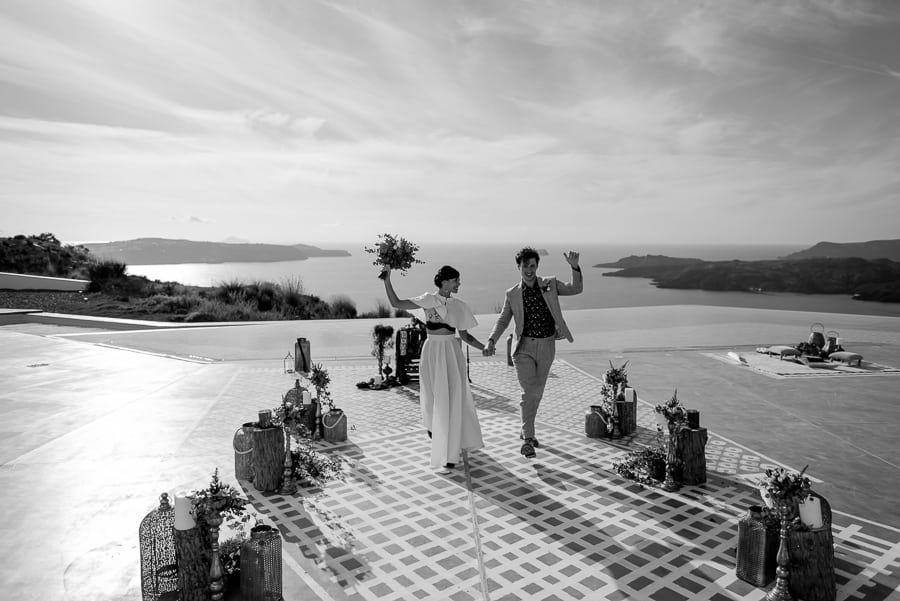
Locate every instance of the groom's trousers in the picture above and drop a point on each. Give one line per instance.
(533, 358)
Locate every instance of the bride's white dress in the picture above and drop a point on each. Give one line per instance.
(445, 397)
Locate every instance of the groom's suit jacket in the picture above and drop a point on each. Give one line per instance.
(513, 308)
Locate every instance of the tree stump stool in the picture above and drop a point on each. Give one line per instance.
(690, 448)
(268, 458)
(812, 560)
(193, 554)
(627, 412)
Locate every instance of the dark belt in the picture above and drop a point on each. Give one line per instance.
(433, 325)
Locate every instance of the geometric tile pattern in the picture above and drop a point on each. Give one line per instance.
(560, 526)
(781, 369)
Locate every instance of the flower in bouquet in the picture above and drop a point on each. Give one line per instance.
(394, 252)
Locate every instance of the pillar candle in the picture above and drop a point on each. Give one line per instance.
(183, 518)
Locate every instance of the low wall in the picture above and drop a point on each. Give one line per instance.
(20, 281)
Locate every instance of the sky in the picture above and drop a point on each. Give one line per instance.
(471, 121)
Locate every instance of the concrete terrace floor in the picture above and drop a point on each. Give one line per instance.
(101, 416)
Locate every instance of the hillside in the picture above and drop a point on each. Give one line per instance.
(649, 261)
(43, 255)
(874, 249)
(165, 251)
(863, 279)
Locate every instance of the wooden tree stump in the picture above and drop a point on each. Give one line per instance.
(627, 412)
(812, 565)
(193, 553)
(690, 448)
(268, 458)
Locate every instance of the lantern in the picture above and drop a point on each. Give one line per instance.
(243, 452)
(261, 565)
(159, 572)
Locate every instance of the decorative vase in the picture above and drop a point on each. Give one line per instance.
(594, 424)
(756, 549)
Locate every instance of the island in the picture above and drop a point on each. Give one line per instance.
(166, 251)
(863, 270)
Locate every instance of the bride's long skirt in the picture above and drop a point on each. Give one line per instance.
(448, 409)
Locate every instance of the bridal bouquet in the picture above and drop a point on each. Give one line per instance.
(394, 252)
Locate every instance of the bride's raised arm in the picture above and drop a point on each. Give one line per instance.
(396, 301)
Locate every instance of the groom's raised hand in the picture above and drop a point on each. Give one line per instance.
(572, 258)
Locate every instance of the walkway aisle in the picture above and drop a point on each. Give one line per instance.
(562, 526)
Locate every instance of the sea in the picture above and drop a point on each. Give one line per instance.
(487, 270)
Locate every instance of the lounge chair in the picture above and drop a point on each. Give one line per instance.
(783, 350)
(846, 357)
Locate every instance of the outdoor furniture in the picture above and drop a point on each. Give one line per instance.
(782, 350)
(268, 457)
(846, 357)
(690, 445)
(626, 410)
(812, 560)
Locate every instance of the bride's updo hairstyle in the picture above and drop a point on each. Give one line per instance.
(445, 273)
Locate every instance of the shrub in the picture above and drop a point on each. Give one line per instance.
(230, 291)
(382, 310)
(216, 310)
(180, 304)
(106, 276)
(343, 307)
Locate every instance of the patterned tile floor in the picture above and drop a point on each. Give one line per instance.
(562, 526)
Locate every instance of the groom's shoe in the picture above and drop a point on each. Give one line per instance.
(534, 441)
(528, 448)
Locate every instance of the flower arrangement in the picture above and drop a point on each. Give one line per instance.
(394, 252)
(290, 415)
(218, 499)
(646, 465)
(784, 488)
(616, 376)
(313, 466)
(673, 412)
(319, 378)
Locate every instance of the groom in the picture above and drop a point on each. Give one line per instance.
(534, 303)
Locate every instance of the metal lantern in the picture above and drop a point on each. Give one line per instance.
(243, 452)
(261, 565)
(159, 572)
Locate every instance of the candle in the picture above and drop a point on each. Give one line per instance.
(183, 518)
